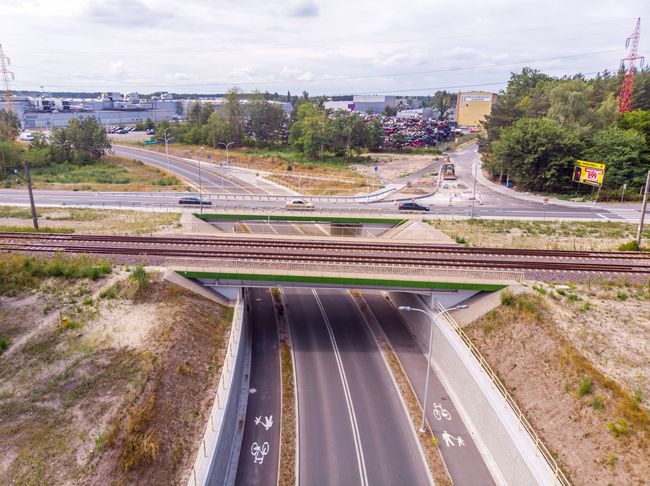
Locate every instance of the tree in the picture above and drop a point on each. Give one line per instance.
(390, 110)
(81, 141)
(234, 112)
(9, 125)
(376, 134)
(538, 154)
(198, 113)
(265, 119)
(570, 105)
(309, 132)
(623, 153)
(641, 91)
(442, 103)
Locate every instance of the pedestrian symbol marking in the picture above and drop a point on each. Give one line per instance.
(450, 440)
(268, 421)
(258, 452)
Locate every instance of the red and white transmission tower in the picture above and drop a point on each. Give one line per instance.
(6, 76)
(628, 64)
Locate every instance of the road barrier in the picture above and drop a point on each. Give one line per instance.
(510, 401)
(351, 270)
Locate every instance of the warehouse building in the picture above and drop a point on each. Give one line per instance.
(473, 106)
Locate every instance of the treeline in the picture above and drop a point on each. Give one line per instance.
(81, 142)
(540, 126)
(257, 122)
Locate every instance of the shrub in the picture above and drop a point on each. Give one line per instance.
(507, 298)
(572, 297)
(460, 240)
(618, 427)
(4, 344)
(621, 295)
(598, 403)
(629, 246)
(585, 306)
(109, 293)
(140, 277)
(585, 387)
(612, 459)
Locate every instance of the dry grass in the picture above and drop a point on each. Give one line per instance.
(100, 221)
(77, 407)
(582, 414)
(564, 235)
(288, 435)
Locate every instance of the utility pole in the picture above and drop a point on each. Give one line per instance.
(643, 207)
(28, 181)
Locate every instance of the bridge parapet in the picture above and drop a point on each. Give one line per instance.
(347, 274)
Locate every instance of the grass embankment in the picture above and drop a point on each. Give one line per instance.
(112, 173)
(564, 235)
(428, 442)
(287, 473)
(599, 431)
(91, 380)
(84, 220)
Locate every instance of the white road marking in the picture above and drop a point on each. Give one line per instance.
(348, 397)
(258, 452)
(450, 440)
(268, 421)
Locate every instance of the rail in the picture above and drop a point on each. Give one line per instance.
(237, 265)
(539, 444)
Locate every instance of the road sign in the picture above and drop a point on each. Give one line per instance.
(591, 173)
(150, 142)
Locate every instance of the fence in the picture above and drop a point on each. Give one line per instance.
(214, 425)
(349, 270)
(539, 444)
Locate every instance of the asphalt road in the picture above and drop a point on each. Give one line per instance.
(353, 428)
(210, 181)
(260, 452)
(459, 451)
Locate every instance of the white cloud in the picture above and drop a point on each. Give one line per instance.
(307, 76)
(304, 8)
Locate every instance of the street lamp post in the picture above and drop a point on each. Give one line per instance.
(28, 181)
(200, 185)
(474, 196)
(407, 308)
(227, 158)
(166, 150)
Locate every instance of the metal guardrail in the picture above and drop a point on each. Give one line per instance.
(212, 430)
(361, 270)
(539, 444)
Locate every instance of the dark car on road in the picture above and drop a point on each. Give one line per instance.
(194, 200)
(411, 206)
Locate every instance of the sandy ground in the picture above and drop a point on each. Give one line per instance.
(546, 346)
(67, 394)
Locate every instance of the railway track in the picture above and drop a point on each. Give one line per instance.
(431, 256)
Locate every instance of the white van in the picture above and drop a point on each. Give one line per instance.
(26, 137)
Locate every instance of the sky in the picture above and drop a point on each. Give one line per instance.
(324, 47)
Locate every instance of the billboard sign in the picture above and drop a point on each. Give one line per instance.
(477, 98)
(591, 173)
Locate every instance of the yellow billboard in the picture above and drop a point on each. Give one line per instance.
(591, 173)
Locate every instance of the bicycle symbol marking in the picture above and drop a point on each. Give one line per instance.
(439, 412)
(258, 452)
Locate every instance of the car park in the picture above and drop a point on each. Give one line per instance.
(299, 204)
(194, 201)
(412, 206)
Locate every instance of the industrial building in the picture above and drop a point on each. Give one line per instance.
(473, 106)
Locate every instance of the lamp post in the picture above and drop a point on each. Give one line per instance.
(166, 150)
(227, 158)
(200, 188)
(407, 308)
(28, 181)
(474, 196)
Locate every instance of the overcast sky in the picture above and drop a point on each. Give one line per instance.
(319, 46)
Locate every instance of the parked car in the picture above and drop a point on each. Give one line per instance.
(195, 201)
(299, 204)
(412, 206)
(150, 131)
(26, 137)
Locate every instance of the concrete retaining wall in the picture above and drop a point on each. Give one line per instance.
(219, 448)
(505, 445)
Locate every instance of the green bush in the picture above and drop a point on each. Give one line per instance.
(629, 246)
(618, 427)
(585, 306)
(4, 344)
(622, 295)
(585, 387)
(140, 277)
(507, 298)
(598, 403)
